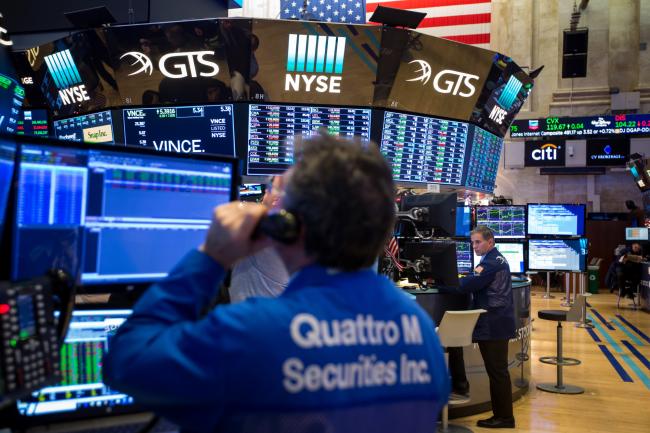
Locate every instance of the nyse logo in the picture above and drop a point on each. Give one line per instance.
(314, 63)
(66, 77)
(547, 152)
(498, 114)
(446, 81)
(176, 65)
(4, 40)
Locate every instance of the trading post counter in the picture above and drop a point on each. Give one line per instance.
(518, 350)
(644, 287)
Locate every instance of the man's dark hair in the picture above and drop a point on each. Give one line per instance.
(630, 204)
(485, 232)
(343, 192)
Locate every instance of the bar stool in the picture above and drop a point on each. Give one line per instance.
(572, 315)
(455, 330)
(634, 305)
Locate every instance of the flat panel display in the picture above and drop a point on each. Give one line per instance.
(544, 153)
(88, 128)
(189, 129)
(504, 221)
(550, 219)
(463, 221)
(33, 122)
(81, 391)
(515, 254)
(608, 151)
(7, 157)
(637, 234)
(314, 63)
(557, 255)
(115, 216)
(271, 131)
(593, 126)
(12, 96)
(424, 149)
(464, 257)
(483, 163)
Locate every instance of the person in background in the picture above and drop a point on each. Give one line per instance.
(263, 273)
(491, 289)
(629, 269)
(636, 216)
(340, 350)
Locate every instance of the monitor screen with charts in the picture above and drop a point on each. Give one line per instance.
(551, 219)
(464, 256)
(504, 221)
(115, 216)
(557, 255)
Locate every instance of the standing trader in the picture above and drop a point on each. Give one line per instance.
(491, 287)
(342, 349)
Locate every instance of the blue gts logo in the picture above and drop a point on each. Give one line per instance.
(66, 77)
(311, 62)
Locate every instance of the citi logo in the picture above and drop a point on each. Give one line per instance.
(176, 65)
(66, 77)
(447, 80)
(547, 152)
(317, 56)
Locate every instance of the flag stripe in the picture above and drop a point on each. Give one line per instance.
(482, 38)
(371, 5)
(450, 11)
(456, 20)
(449, 31)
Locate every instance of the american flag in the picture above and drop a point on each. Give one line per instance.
(332, 11)
(466, 21)
(392, 251)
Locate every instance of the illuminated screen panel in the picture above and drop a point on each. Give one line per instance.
(89, 128)
(464, 256)
(424, 149)
(557, 254)
(513, 252)
(463, 221)
(11, 103)
(619, 124)
(504, 221)
(271, 131)
(33, 122)
(637, 234)
(191, 129)
(556, 219)
(483, 162)
(7, 155)
(611, 152)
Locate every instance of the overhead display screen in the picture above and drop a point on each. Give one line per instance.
(434, 76)
(619, 124)
(424, 149)
(12, 96)
(611, 152)
(271, 131)
(33, 122)
(483, 163)
(557, 255)
(89, 128)
(504, 221)
(192, 129)
(544, 153)
(551, 219)
(313, 63)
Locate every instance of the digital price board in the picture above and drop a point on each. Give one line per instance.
(33, 123)
(424, 149)
(619, 124)
(483, 161)
(89, 128)
(191, 129)
(271, 131)
(12, 96)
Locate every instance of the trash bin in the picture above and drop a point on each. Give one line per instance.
(594, 278)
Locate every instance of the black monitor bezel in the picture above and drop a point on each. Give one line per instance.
(551, 236)
(503, 206)
(577, 239)
(110, 287)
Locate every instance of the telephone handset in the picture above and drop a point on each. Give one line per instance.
(282, 226)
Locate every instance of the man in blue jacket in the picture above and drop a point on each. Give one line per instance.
(341, 350)
(491, 287)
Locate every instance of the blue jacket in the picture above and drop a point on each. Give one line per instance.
(341, 352)
(492, 291)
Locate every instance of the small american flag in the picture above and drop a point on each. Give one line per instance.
(331, 11)
(392, 251)
(465, 21)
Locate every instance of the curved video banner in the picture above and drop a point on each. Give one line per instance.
(310, 62)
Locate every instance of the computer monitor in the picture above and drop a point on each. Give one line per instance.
(431, 211)
(7, 157)
(251, 192)
(515, 254)
(81, 393)
(271, 131)
(187, 129)
(117, 215)
(33, 122)
(88, 128)
(552, 219)
(463, 221)
(557, 255)
(504, 221)
(12, 94)
(637, 234)
(439, 261)
(424, 149)
(464, 257)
